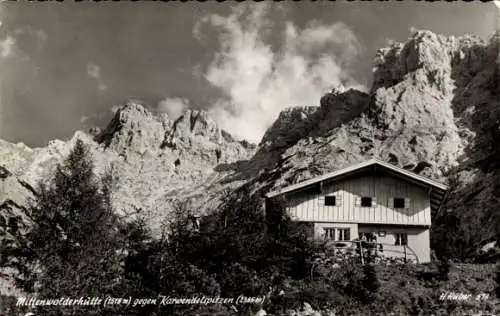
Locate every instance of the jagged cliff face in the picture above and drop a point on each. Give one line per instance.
(155, 161)
(421, 113)
(418, 113)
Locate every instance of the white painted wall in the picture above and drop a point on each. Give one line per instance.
(418, 240)
(307, 206)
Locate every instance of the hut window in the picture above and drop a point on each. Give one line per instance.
(330, 201)
(344, 234)
(366, 201)
(399, 203)
(329, 233)
(337, 234)
(401, 239)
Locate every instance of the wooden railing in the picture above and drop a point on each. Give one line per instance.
(358, 247)
(361, 247)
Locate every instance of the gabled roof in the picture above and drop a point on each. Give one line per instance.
(437, 193)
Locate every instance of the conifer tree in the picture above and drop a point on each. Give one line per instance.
(75, 245)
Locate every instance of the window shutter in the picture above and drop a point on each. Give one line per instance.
(407, 202)
(357, 201)
(374, 202)
(338, 199)
(390, 202)
(321, 200)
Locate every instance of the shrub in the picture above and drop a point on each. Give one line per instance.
(370, 283)
(238, 249)
(497, 281)
(8, 306)
(443, 269)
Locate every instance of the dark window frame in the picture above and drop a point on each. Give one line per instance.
(337, 232)
(330, 198)
(346, 236)
(366, 201)
(401, 239)
(399, 202)
(328, 233)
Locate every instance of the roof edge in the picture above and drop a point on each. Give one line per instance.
(367, 163)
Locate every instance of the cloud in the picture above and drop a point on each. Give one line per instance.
(83, 119)
(27, 30)
(102, 87)
(41, 35)
(258, 82)
(93, 70)
(174, 107)
(7, 46)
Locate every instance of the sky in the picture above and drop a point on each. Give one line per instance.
(67, 66)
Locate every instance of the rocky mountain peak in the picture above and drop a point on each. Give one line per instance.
(424, 50)
(197, 123)
(133, 127)
(291, 124)
(418, 91)
(136, 129)
(414, 115)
